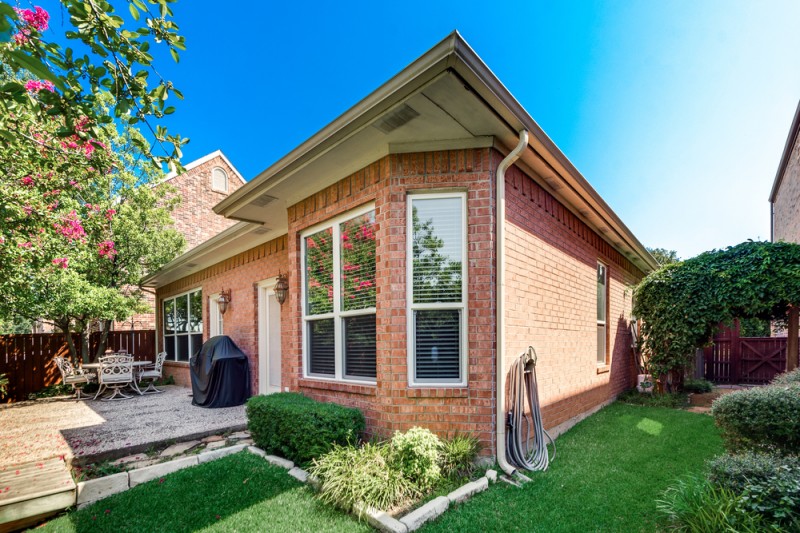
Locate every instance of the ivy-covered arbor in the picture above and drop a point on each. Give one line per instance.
(682, 304)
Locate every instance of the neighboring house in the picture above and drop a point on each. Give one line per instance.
(785, 196)
(206, 182)
(412, 269)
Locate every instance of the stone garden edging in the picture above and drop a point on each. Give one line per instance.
(96, 489)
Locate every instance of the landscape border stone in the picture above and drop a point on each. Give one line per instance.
(219, 452)
(143, 475)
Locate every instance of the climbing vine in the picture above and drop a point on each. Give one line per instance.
(682, 304)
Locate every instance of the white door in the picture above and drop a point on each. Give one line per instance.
(269, 339)
(215, 317)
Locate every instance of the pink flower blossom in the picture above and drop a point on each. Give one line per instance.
(36, 18)
(25, 244)
(110, 213)
(63, 262)
(71, 227)
(106, 249)
(34, 86)
(27, 209)
(27, 181)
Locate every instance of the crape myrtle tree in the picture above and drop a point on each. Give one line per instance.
(682, 304)
(76, 256)
(79, 221)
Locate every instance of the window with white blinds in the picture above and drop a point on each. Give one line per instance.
(339, 301)
(437, 292)
(602, 306)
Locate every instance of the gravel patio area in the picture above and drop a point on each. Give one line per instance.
(80, 430)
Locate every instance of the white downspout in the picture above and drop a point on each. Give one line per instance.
(500, 350)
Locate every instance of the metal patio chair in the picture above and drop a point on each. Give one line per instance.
(74, 376)
(115, 372)
(153, 372)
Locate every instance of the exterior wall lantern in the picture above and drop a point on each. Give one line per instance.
(224, 300)
(281, 288)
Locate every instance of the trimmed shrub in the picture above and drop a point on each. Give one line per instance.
(296, 427)
(787, 378)
(353, 475)
(695, 504)
(761, 419)
(697, 385)
(415, 453)
(766, 484)
(457, 456)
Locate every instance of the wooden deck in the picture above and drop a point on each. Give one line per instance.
(33, 490)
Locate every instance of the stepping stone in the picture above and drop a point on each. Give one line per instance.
(130, 459)
(215, 445)
(213, 438)
(239, 435)
(179, 448)
(249, 442)
(141, 464)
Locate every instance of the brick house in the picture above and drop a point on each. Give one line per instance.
(428, 232)
(785, 196)
(206, 182)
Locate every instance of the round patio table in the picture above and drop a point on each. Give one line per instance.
(134, 385)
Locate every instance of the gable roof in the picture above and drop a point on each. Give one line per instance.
(787, 154)
(446, 99)
(208, 157)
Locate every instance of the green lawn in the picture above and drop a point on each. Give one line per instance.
(241, 492)
(609, 471)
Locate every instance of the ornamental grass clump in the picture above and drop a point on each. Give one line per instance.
(457, 456)
(695, 504)
(359, 477)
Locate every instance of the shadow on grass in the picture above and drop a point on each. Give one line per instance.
(241, 492)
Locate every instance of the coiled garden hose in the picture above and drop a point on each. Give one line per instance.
(525, 439)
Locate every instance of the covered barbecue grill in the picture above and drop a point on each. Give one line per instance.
(220, 374)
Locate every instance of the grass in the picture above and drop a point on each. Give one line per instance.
(241, 492)
(609, 472)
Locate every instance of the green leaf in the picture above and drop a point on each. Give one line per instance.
(134, 11)
(174, 55)
(35, 67)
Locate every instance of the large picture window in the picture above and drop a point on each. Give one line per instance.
(602, 307)
(437, 289)
(183, 325)
(339, 306)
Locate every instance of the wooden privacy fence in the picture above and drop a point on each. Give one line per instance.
(27, 360)
(734, 359)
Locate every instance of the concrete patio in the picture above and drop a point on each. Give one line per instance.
(88, 431)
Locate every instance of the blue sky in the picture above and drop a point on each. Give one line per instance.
(676, 112)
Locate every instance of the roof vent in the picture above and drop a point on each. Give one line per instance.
(263, 200)
(262, 230)
(396, 118)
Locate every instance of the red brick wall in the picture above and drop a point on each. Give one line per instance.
(391, 405)
(240, 274)
(194, 217)
(786, 215)
(551, 302)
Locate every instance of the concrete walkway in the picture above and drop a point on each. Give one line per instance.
(84, 431)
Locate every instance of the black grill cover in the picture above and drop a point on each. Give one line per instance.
(220, 374)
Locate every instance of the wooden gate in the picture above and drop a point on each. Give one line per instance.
(734, 359)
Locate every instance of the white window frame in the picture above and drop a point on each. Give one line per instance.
(603, 323)
(187, 333)
(216, 321)
(461, 306)
(337, 314)
(227, 179)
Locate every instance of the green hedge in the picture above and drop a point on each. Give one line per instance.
(296, 427)
(787, 378)
(766, 484)
(761, 419)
